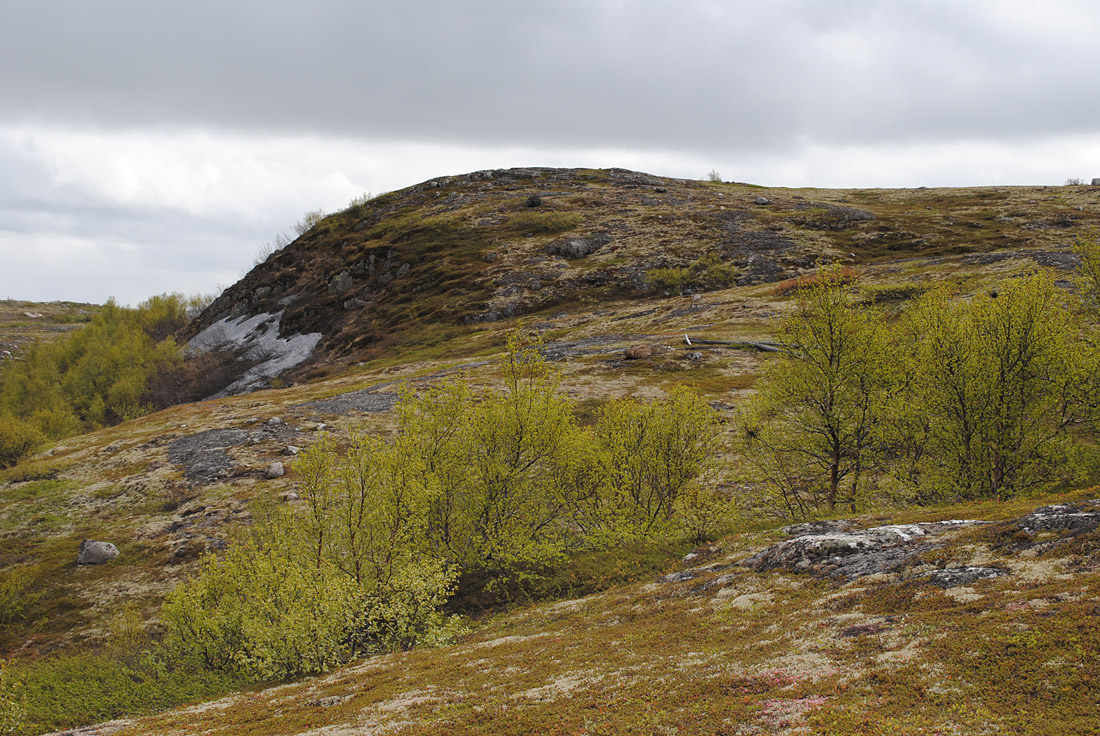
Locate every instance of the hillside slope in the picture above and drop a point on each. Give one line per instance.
(422, 265)
(605, 261)
(970, 620)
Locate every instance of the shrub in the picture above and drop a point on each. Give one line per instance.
(309, 220)
(706, 272)
(546, 222)
(18, 439)
(994, 387)
(99, 374)
(808, 434)
(668, 280)
(264, 612)
(839, 275)
(652, 454)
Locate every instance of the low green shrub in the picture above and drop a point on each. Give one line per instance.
(546, 222)
(706, 272)
(93, 686)
(18, 439)
(99, 374)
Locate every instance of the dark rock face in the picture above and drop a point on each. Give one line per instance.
(365, 400)
(1049, 527)
(204, 455)
(824, 548)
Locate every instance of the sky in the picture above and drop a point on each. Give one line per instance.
(150, 147)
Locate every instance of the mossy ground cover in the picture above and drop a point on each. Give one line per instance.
(732, 651)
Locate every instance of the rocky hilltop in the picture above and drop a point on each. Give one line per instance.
(426, 263)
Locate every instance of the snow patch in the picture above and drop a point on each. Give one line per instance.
(257, 339)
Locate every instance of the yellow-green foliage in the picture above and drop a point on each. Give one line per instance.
(85, 687)
(546, 222)
(18, 439)
(1087, 249)
(500, 486)
(706, 272)
(650, 453)
(98, 375)
(308, 588)
(969, 399)
(809, 434)
(993, 386)
(16, 594)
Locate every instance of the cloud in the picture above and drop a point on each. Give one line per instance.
(695, 76)
(149, 147)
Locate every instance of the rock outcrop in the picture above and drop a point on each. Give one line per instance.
(94, 552)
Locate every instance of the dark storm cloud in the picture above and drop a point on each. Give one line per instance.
(680, 75)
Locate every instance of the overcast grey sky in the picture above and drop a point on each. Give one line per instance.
(151, 146)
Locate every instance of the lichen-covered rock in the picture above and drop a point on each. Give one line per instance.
(574, 248)
(637, 352)
(93, 552)
(953, 577)
(274, 470)
(823, 548)
(1065, 517)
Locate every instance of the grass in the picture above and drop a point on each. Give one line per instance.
(543, 223)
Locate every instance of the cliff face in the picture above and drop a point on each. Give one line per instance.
(431, 261)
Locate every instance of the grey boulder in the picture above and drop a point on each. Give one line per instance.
(92, 552)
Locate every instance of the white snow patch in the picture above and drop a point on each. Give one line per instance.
(257, 338)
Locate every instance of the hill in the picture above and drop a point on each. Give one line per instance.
(636, 284)
(22, 323)
(422, 271)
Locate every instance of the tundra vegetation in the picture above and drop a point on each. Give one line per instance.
(124, 364)
(480, 496)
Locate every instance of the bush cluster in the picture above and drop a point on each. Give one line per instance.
(706, 272)
(499, 486)
(18, 439)
(841, 274)
(98, 375)
(978, 398)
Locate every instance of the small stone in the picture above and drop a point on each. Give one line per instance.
(288, 496)
(763, 200)
(274, 421)
(955, 577)
(274, 470)
(637, 352)
(92, 552)
(292, 450)
(534, 200)
(320, 427)
(694, 357)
